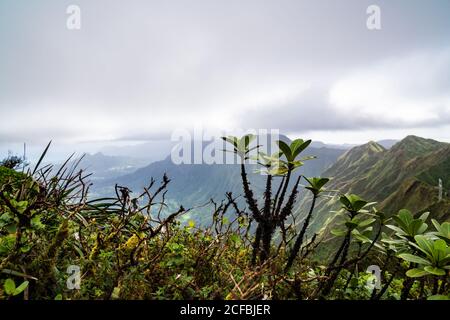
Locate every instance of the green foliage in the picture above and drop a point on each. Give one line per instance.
(354, 206)
(434, 259)
(405, 230)
(127, 247)
(352, 203)
(11, 289)
(442, 230)
(12, 162)
(290, 153)
(10, 176)
(439, 297)
(316, 184)
(408, 226)
(242, 146)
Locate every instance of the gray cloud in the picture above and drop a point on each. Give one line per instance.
(139, 70)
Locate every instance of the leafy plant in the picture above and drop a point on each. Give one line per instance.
(352, 207)
(442, 230)
(135, 246)
(315, 186)
(434, 258)
(275, 210)
(12, 162)
(11, 289)
(408, 227)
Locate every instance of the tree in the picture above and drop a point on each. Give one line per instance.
(12, 162)
(275, 209)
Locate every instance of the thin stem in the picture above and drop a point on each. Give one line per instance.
(299, 241)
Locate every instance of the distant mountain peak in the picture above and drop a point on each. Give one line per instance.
(374, 146)
(369, 148)
(417, 139)
(404, 176)
(361, 157)
(415, 146)
(97, 154)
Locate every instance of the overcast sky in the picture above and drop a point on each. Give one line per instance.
(136, 70)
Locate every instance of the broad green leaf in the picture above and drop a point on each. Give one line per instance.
(296, 163)
(415, 259)
(25, 248)
(396, 229)
(316, 184)
(436, 225)
(338, 233)
(423, 227)
(285, 149)
(296, 144)
(435, 271)
(353, 202)
(20, 288)
(443, 230)
(297, 149)
(9, 286)
(359, 204)
(438, 297)
(415, 273)
(278, 171)
(345, 201)
(244, 142)
(232, 140)
(403, 219)
(425, 245)
(405, 216)
(359, 236)
(416, 227)
(440, 245)
(424, 216)
(366, 222)
(248, 139)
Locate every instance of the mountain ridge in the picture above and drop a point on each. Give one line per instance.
(404, 176)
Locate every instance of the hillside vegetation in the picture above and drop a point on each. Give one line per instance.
(196, 184)
(56, 242)
(405, 176)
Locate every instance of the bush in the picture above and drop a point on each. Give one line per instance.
(132, 248)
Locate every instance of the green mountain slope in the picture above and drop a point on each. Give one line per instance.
(195, 184)
(405, 176)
